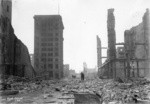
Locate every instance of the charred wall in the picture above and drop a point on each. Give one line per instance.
(14, 55)
(99, 53)
(137, 44)
(111, 34)
(136, 55)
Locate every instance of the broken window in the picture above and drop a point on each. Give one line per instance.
(51, 74)
(50, 54)
(56, 75)
(50, 66)
(7, 8)
(50, 49)
(56, 54)
(50, 59)
(56, 66)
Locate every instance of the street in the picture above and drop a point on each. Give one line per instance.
(75, 91)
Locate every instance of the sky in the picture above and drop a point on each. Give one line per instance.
(83, 20)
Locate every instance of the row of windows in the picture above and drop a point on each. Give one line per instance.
(49, 39)
(52, 74)
(50, 34)
(49, 44)
(44, 54)
(51, 66)
(50, 54)
(49, 26)
(49, 59)
(50, 49)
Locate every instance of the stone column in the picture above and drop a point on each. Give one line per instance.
(111, 40)
(111, 34)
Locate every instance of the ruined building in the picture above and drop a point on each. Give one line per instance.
(99, 53)
(48, 45)
(111, 34)
(137, 46)
(132, 59)
(14, 55)
(107, 69)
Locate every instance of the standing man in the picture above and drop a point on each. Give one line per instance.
(82, 76)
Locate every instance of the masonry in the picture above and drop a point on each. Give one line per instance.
(14, 55)
(48, 46)
(132, 59)
(137, 44)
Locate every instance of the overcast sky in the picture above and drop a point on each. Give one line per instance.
(83, 20)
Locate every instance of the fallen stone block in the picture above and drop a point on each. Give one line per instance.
(8, 92)
(86, 99)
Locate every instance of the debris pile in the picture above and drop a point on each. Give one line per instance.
(106, 90)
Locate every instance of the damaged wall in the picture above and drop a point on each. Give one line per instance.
(15, 59)
(137, 43)
(111, 34)
(99, 53)
(135, 60)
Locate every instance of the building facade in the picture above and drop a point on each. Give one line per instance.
(48, 45)
(89, 72)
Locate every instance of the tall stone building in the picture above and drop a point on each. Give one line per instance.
(14, 55)
(48, 45)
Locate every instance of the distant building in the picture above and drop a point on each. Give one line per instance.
(66, 70)
(48, 45)
(72, 72)
(89, 72)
